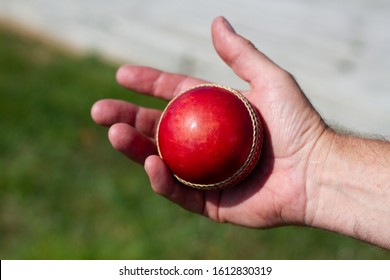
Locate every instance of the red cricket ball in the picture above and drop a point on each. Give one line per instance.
(210, 137)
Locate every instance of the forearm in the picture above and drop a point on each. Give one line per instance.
(350, 190)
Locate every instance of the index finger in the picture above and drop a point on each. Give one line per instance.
(154, 82)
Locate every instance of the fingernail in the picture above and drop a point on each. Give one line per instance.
(228, 25)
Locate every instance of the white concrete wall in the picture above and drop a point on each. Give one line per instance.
(339, 51)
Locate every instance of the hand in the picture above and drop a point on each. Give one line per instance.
(275, 193)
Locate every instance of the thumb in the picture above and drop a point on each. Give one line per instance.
(240, 54)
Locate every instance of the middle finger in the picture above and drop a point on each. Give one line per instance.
(107, 112)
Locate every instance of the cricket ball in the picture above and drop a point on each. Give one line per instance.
(210, 137)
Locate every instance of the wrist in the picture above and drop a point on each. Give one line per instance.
(316, 175)
(348, 187)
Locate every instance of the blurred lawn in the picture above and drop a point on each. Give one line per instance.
(66, 194)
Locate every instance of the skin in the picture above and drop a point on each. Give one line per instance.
(308, 174)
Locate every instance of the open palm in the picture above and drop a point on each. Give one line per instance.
(275, 192)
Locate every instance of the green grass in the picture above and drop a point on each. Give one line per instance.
(65, 193)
